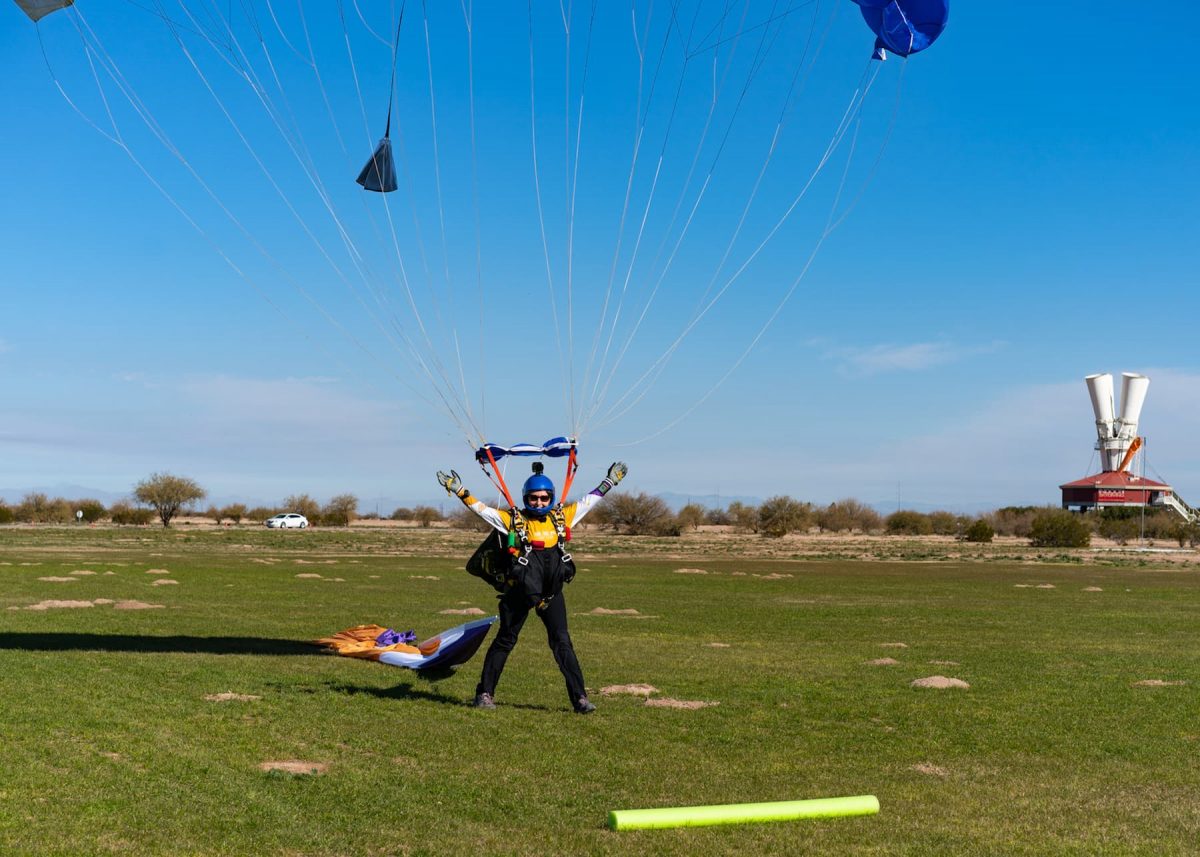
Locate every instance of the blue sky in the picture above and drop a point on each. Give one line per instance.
(1032, 219)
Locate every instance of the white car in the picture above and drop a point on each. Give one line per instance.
(287, 521)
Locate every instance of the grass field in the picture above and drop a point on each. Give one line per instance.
(109, 745)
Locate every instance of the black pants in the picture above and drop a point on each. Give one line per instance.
(514, 610)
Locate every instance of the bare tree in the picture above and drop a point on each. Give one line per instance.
(340, 511)
(168, 494)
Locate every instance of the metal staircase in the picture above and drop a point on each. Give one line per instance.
(1189, 514)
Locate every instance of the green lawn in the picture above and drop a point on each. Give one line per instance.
(108, 745)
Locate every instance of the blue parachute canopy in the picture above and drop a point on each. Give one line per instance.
(904, 26)
(555, 447)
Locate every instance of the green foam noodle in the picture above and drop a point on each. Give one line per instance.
(742, 813)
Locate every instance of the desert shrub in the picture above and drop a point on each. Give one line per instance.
(744, 518)
(340, 511)
(216, 514)
(1014, 520)
(691, 516)
(980, 531)
(425, 516)
(93, 510)
(465, 519)
(778, 516)
(1058, 528)
(235, 512)
(907, 523)
(304, 504)
(947, 523)
(126, 514)
(639, 514)
(402, 514)
(1118, 528)
(1186, 533)
(7, 516)
(717, 517)
(1160, 524)
(260, 513)
(848, 515)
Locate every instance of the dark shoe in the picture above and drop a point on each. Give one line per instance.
(584, 706)
(484, 700)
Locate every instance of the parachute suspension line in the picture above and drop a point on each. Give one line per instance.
(461, 401)
(279, 29)
(569, 400)
(763, 49)
(887, 137)
(718, 85)
(96, 51)
(272, 112)
(468, 7)
(637, 245)
(437, 175)
(830, 226)
(640, 126)
(705, 48)
(847, 120)
(537, 187)
(792, 93)
(404, 279)
(367, 26)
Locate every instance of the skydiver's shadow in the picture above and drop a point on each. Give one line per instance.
(77, 642)
(408, 690)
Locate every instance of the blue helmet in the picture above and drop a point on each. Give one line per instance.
(538, 482)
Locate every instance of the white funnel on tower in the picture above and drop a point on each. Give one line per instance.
(1133, 396)
(1101, 389)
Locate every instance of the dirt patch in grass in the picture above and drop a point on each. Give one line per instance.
(940, 682)
(1092, 589)
(57, 579)
(294, 766)
(1046, 586)
(423, 577)
(690, 571)
(59, 605)
(1158, 682)
(930, 769)
(685, 704)
(604, 611)
(82, 572)
(229, 696)
(137, 605)
(165, 581)
(466, 611)
(893, 645)
(310, 576)
(157, 571)
(717, 645)
(883, 662)
(632, 689)
(944, 663)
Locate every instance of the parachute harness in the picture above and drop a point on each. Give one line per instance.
(518, 531)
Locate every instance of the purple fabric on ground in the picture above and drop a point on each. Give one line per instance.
(391, 637)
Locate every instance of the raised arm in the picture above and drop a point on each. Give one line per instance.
(452, 482)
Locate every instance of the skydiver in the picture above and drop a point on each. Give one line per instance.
(537, 582)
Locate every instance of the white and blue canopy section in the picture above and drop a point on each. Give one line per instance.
(454, 647)
(555, 447)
